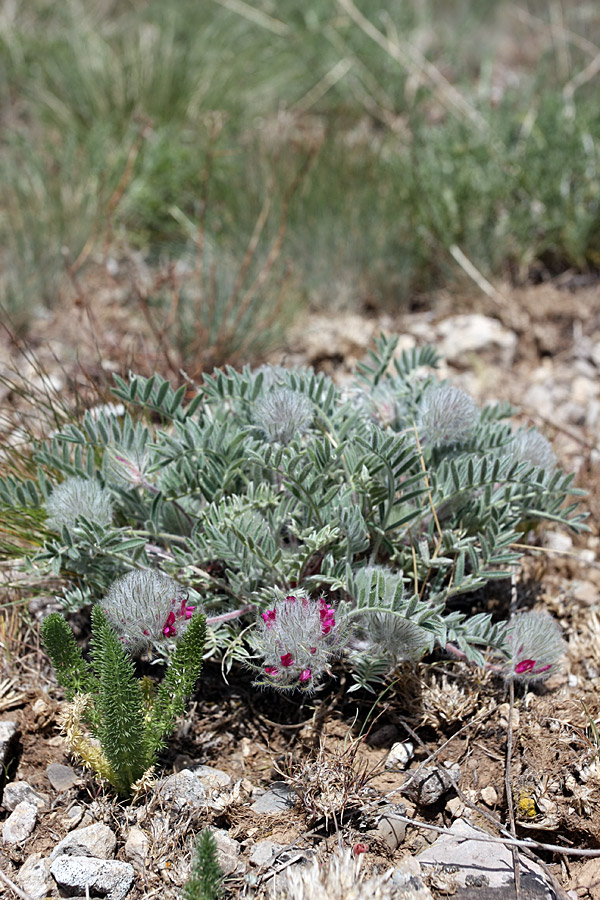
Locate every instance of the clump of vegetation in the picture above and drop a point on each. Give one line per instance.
(394, 497)
(126, 719)
(206, 878)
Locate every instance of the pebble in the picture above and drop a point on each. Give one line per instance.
(277, 799)
(588, 878)
(94, 840)
(263, 852)
(389, 828)
(136, 847)
(400, 755)
(108, 878)
(429, 784)
(34, 876)
(228, 852)
(464, 335)
(8, 739)
(20, 823)
(489, 795)
(61, 777)
(184, 790)
(17, 791)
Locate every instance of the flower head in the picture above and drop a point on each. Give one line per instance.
(532, 447)
(77, 497)
(127, 467)
(535, 646)
(146, 608)
(447, 416)
(296, 639)
(283, 414)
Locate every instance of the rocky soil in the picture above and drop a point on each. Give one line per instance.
(414, 783)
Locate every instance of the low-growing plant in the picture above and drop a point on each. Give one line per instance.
(377, 506)
(206, 878)
(128, 719)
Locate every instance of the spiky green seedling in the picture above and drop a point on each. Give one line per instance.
(117, 708)
(206, 877)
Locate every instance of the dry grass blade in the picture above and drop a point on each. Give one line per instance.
(8, 696)
(410, 58)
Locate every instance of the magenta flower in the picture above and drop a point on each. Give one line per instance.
(539, 646)
(296, 638)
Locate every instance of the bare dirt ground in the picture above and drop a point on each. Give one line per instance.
(443, 707)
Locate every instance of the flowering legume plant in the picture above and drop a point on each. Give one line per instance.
(307, 520)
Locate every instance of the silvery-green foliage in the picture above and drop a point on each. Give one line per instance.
(76, 497)
(535, 646)
(532, 447)
(370, 482)
(128, 465)
(447, 416)
(283, 414)
(147, 608)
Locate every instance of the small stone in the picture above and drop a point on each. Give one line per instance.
(561, 543)
(383, 737)
(503, 711)
(390, 829)
(481, 859)
(17, 791)
(34, 876)
(263, 852)
(61, 777)
(588, 878)
(464, 335)
(400, 755)
(136, 847)
(74, 816)
(94, 840)
(184, 790)
(8, 740)
(87, 875)
(429, 784)
(20, 823)
(228, 851)
(455, 807)
(279, 798)
(489, 795)
(585, 592)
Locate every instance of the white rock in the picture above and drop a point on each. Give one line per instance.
(228, 851)
(20, 823)
(390, 828)
(263, 852)
(561, 543)
(213, 778)
(489, 795)
(184, 789)
(17, 791)
(136, 847)
(34, 876)
(429, 784)
(474, 333)
(107, 877)
(94, 840)
(279, 798)
(61, 777)
(474, 858)
(8, 735)
(400, 755)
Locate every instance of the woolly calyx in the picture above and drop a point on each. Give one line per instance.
(447, 416)
(77, 497)
(147, 608)
(535, 646)
(126, 468)
(296, 639)
(283, 414)
(398, 637)
(532, 447)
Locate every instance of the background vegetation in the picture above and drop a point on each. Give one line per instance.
(393, 141)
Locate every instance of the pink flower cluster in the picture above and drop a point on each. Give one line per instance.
(185, 612)
(538, 646)
(296, 638)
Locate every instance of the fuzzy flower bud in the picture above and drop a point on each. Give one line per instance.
(283, 414)
(296, 639)
(532, 447)
(146, 608)
(126, 468)
(447, 416)
(535, 646)
(77, 497)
